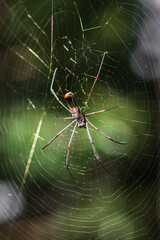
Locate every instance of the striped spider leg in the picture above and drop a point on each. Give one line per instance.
(53, 92)
(79, 118)
(69, 145)
(94, 82)
(109, 138)
(46, 145)
(94, 149)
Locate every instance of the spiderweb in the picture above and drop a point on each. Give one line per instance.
(39, 199)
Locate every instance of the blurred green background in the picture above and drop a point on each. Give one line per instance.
(99, 206)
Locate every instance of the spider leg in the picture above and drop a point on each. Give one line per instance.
(94, 82)
(58, 134)
(65, 118)
(101, 111)
(53, 92)
(105, 134)
(69, 145)
(94, 149)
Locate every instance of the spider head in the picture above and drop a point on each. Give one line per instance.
(73, 106)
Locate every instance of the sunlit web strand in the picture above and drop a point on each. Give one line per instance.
(32, 151)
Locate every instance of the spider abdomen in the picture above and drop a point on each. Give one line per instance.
(75, 109)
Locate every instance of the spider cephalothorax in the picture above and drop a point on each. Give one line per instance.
(79, 118)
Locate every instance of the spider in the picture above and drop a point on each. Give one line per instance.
(80, 118)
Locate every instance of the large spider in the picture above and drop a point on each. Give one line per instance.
(79, 119)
